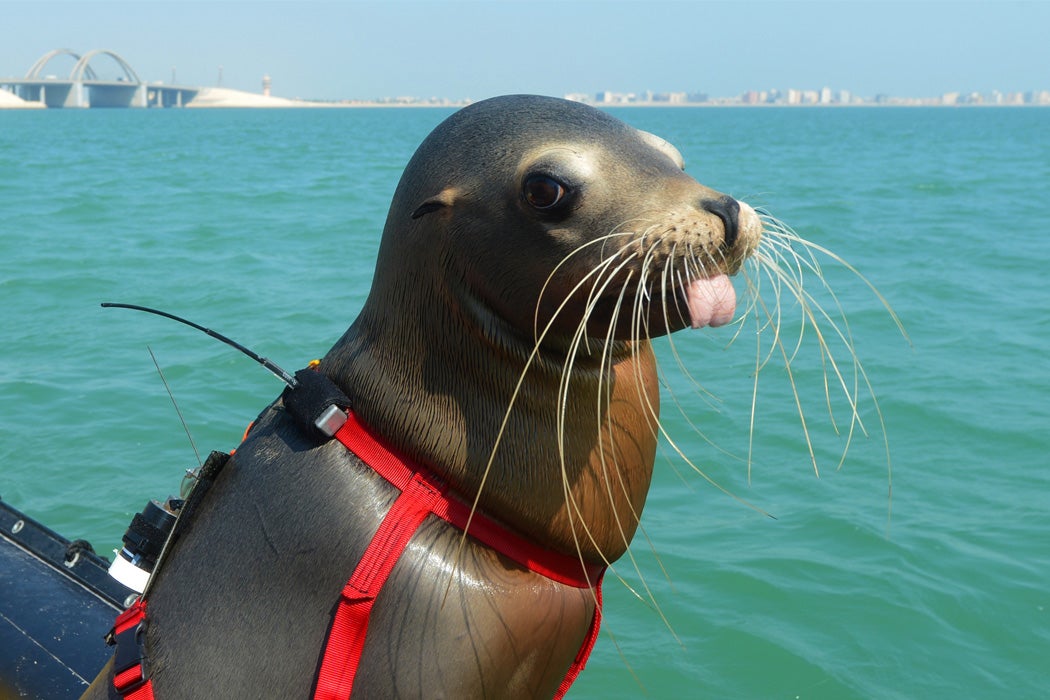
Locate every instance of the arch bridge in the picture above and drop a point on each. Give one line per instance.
(84, 88)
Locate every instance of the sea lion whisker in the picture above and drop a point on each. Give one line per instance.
(754, 283)
(672, 270)
(807, 304)
(534, 353)
(567, 495)
(804, 324)
(680, 407)
(565, 260)
(603, 275)
(754, 396)
(787, 273)
(780, 244)
(779, 344)
(768, 267)
(643, 297)
(752, 287)
(784, 232)
(859, 373)
(677, 276)
(648, 228)
(757, 302)
(827, 359)
(711, 399)
(794, 286)
(677, 449)
(852, 394)
(537, 345)
(773, 320)
(682, 285)
(699, 267)
(844, 335)
(762, 265)
(708, 478)
(604, 462)
(639, 333)
(791, 276)
(789, 257)
(563, 390)
(501, 431)
(811, 309)
(649, 599)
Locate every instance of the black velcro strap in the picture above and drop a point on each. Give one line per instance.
(314, 394)
(207, 475)
(145, 537)
(213, 465)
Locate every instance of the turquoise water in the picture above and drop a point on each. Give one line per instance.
(264, 225)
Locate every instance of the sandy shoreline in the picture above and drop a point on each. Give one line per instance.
(9, 100)
(227, 98)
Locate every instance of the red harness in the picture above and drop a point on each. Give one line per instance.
(421, 495)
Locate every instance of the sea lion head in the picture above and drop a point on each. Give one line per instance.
(533, 247)
(544, 212)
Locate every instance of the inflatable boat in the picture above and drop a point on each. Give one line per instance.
(57, 602)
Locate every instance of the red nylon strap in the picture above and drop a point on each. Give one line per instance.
(588, 644)
(127, 682)
(399, 471)
(346, 640)
(420, 496)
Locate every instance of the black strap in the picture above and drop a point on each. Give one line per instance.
(312, 396)
(206, 476)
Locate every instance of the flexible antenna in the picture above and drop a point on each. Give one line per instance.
(176, 405)
(268, 364)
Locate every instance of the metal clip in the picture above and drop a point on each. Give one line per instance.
(331, 420)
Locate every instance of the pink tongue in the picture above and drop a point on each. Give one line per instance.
(711, 302)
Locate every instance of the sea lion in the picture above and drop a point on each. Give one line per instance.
(532, 248)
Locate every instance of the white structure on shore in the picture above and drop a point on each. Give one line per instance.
(225, 97)
(85, 88)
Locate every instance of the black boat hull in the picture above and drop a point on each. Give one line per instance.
(57, 602)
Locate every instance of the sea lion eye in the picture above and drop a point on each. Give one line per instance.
(543, 191)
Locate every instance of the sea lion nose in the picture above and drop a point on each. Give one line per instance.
(728, 210)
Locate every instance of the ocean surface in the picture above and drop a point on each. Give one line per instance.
(918, 568)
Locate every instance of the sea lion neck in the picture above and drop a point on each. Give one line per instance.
(461, 390)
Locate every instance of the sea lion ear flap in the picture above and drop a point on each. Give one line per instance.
(664, 147)
(442, 199)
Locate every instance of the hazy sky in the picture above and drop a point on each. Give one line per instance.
(346, 49)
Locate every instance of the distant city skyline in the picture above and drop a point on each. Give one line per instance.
(123, 86)
(922, 49)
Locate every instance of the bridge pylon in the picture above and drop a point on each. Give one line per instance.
(83, 87)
